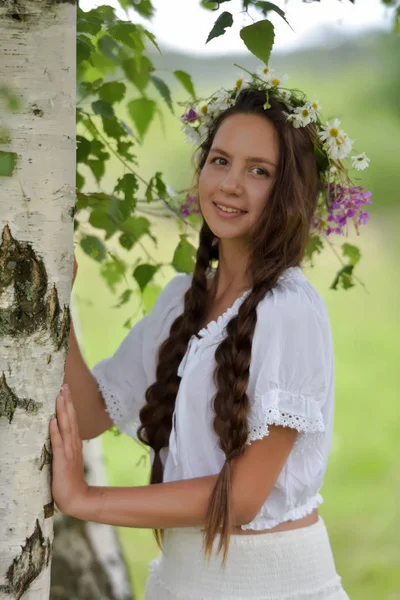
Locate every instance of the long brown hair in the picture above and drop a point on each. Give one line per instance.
(278, 241)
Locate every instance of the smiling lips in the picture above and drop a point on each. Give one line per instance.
(229, 209)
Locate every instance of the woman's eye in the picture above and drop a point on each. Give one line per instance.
(260, 171)
(219, 158)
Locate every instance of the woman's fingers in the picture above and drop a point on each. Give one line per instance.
(69, 406)
(64, 425)
(55, 436)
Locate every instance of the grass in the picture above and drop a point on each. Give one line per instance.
(362, 483)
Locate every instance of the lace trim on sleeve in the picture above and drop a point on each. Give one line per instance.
(115, 409)
(279, 407)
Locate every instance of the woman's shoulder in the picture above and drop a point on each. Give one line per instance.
(172, 295)
(294, 298)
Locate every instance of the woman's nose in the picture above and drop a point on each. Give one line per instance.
(231, 183)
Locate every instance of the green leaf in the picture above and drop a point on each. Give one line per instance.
(103, 108)
(84, 49)
(259, 39)
(186, 80)
(97, 167)
(113, 271)
(130, 35)
(113, 91)
(352, 252)
(142, 111)
(88, 23)
(157, 182)
(124, 298)
(343, 277)
(109, 48)
(135, 228)
(128, 186)
(80, 181)
(101, 220)
(163, 89)
(184, 256)
(267, 7)
(224, 20)
(8, 161)
(143, 7)
(152, 38)
(138, 71)
(83, 149)
(113, 128)
(322, 158)
(144, 273)
(93, 247)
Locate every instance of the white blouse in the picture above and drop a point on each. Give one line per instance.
(291, 383)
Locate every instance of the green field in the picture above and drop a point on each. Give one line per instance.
(362, 484)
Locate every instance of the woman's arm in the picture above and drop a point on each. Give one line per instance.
(184, 503)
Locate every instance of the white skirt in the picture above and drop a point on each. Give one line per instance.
(296, 564)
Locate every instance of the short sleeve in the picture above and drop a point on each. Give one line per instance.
(124, 377)
(292, 358)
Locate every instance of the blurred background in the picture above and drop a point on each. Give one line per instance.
(346, 56)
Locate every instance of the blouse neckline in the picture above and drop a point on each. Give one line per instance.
(217, 326)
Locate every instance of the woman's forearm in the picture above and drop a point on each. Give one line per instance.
(165, 505)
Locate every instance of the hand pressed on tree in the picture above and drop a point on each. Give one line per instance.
(69, 487)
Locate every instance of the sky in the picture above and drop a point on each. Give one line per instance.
(182, 25)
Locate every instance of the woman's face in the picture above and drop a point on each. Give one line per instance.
(239, 173)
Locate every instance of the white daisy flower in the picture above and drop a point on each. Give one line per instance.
(221, 101)
(275, 81)
(296, 120)
(191, 134)
(315, 105)
(264, 73)
(360, 162)
(241, 83)
(203, 131)
(338, 143)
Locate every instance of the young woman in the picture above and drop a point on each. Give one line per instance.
(229, 380)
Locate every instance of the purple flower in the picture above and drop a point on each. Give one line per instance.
(190, 116)
(345, 203)
(191, 206)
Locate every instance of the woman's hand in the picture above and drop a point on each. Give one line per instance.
(69, 488)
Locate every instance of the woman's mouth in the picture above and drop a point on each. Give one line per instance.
(228, 212)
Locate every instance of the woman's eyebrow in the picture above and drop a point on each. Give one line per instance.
(249, 158)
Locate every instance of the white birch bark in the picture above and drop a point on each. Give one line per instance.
(37, 49)
(87, 559)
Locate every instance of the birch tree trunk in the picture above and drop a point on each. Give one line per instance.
(87, 558)
(37, 46)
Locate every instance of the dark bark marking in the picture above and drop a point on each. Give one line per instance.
(45, 458)
(29, 564)
(48, 510)
(9, 401)
(30, 311)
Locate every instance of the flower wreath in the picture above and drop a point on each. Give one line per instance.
(341, 200)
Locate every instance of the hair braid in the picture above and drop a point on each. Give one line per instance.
(156, 414)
